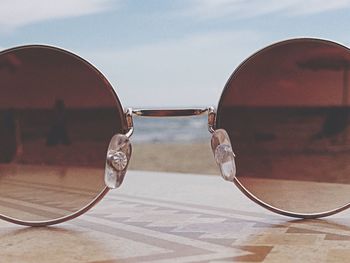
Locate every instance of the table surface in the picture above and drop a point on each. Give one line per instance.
(165, 217)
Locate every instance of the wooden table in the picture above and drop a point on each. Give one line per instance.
(163, 217)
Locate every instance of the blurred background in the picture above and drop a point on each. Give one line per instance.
(169, 54)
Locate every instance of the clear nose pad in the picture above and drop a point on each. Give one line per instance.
(223, 154)
(117, 160)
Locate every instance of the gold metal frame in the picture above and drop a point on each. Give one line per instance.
(124, 124)
(236, 180)
(159, 113)
(128, 128)
(283, 212)
(61, 219)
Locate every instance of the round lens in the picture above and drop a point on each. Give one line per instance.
(57, 116)
(286, 110)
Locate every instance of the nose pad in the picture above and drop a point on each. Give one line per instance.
(117, 160)
(223, 154)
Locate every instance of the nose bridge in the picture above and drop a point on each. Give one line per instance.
(119, 150)
(173, 113)
(169, 112)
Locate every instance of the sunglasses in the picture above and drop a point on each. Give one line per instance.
(280, 131)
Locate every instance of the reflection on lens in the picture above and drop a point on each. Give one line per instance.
(286, 110)
(57, 115)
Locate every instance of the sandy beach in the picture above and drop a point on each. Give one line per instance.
(174, 157)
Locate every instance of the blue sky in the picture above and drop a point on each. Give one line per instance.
(169, 53)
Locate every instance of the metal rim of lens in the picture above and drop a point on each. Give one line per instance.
(236, 181)
(123, 124)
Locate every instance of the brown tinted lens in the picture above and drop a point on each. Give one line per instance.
(286, 110)
(57, 115)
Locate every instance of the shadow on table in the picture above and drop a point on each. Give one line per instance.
(258, 241)
(50, 244)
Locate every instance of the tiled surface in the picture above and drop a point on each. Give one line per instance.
(158, 217)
